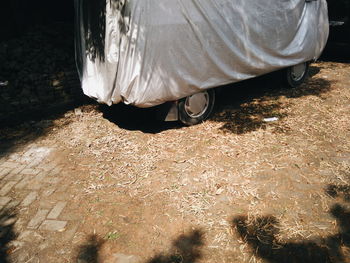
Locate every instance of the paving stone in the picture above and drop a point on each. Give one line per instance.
(30, 198)
(56, 171)
(38, 219)
(70, 232)
(34, 185)
(4, 200)
(13, 177)
(52, 180)
(122, 258)
(48, 166)
(61, 196)
(12, 204)
(18, 169)
(53, 225)
(23, 183)
(49, 191)
(29, 171)
(41, 176)
(15, 157)
(7, 188)
(56, 211)
(46, 204)
(4, 172)
(34, 162)
(11, 165)
(9, 221)
(71, 216)
(30, 236)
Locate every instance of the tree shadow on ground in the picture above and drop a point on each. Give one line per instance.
(261, 235)
(89, 252)
(243, 106)
(185, 249)
(7, 233)
(15, 136)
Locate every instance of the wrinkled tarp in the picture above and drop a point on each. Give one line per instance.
(146, 52)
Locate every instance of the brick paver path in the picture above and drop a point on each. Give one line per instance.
(33, 189)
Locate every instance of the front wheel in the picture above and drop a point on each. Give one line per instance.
(196, 108)
(296, 75)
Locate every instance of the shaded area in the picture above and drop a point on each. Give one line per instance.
(7, 233)
(261, 235)
(244, 105)
(148, 120)
(186, 249)
(89, 252)
(40, 74)
(15, 137)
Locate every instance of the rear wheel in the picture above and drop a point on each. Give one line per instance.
(296, 75)
(196, 108)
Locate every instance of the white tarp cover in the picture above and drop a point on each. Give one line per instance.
(146, 52)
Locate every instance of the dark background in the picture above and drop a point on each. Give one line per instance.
(17, 16)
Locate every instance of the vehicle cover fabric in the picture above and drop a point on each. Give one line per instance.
(146, 52)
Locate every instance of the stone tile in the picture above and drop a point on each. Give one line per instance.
(12, 204)
(71, 216)
(30, 236)
(30, 198)
(56, 211)
(61, 196)
(18, 169)
(4, 172)
(41, 176)
(47, 166)
(34, 185)
(8, 221)
(56, 171)
(7, 188)
(4, 200)
(35, 162)
(53, 225)
(29, 171)
(15, 157)
(72, 228)
(11, 165)
(22, 184)
(13, 177)
(122, 258)
(46, 204)
(38, 219)
(52, 180)
(49, 191)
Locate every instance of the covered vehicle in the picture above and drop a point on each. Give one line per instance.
(147, 52)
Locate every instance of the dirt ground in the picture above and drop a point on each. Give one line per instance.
(235, 188)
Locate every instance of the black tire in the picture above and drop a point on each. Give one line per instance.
(196, 108)
(296, 75)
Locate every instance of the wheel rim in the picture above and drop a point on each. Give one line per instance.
(197, 104)
(298, 71)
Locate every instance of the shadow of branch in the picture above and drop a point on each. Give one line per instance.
(7, 233)
(186, 249)
(244, 105)
(89, 252)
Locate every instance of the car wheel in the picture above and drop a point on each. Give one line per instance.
(196, 108)
(296, 75)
